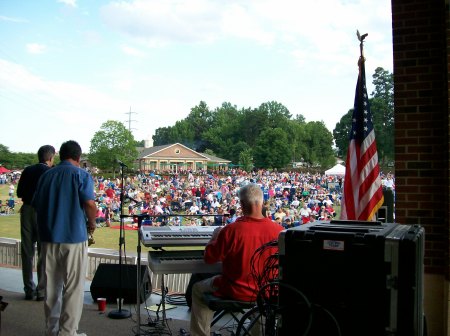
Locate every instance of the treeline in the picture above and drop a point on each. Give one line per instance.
(269, 137)
(16, 160)
(263, 137)
(19, 160)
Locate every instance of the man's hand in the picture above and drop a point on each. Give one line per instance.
(91, 226)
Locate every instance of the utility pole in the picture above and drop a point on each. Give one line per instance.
(129, 119)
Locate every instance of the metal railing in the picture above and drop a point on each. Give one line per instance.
(10, 255)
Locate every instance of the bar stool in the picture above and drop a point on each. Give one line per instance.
(226, 306)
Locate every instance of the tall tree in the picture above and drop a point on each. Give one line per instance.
(184, 133)
(254, 121)
(199, 120)
(224, 133)
(298, 139)
(341, 133)
(382, 107)
(246, 159)
(319, 142)
(272, 149)
(277, 115)
(113, 141)
(5, 156)
(162, 136)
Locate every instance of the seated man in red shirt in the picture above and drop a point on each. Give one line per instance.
(233, 245)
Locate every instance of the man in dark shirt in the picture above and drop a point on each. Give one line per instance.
(28, 223)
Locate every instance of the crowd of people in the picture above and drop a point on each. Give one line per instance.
(290, 198)
(62, 207)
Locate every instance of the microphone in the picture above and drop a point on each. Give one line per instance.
(120, 163)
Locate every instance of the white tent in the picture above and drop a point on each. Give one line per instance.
(336, 170)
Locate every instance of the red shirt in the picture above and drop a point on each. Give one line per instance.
(235, 246)
(110, 193)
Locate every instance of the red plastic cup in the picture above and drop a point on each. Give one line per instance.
(101, 304)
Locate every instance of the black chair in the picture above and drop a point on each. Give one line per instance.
(226, 306)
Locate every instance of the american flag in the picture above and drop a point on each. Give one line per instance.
(363, 193)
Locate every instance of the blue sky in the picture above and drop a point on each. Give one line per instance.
(67, 66)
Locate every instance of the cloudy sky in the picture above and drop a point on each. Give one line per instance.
(67, 66)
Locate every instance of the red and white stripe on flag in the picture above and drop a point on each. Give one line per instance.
(363, 192)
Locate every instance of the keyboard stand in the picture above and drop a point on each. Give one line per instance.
(163, 302)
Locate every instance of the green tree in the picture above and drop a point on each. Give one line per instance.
(5, 156)
(139, 143)
(246, 159)
(319, 145)
(272, 149)
(277, 115)
(210, 152)
(21, 160)
(253, 121)
(341, 133)
(298, 139)
(382, 108)
(162, 136)
(224, 133)
(113, 141)
(199, 121)
(183, 133)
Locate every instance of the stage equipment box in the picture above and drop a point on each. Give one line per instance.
(357, 278)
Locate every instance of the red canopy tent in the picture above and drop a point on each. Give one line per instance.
(4, 170)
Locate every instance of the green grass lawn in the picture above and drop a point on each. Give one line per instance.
(104, 237)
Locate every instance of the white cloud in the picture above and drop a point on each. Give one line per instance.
(305, 57)
(158, 22)
(12, 19)
(71, 3)
(35, 48)
(132, 51)
(320, 29)
(64, 109)
(238, 21)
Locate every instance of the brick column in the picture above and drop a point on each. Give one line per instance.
(421, 68)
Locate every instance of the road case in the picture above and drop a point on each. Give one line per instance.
(352, 278)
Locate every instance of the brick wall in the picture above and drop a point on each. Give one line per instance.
(420, 42)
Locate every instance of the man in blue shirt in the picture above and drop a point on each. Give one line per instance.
(65, 206)
(28, 224)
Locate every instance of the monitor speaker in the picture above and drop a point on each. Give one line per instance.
(106, 283)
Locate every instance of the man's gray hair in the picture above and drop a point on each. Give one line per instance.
(251, 194)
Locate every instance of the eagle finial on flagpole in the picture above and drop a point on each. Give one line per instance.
(361, 43)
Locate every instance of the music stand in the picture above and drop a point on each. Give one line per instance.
(120, 313)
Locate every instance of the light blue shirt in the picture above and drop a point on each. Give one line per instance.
(59, 203)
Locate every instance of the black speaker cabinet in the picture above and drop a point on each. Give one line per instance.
(106, 283)
(360, 278)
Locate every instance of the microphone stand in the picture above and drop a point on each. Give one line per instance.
(138, 277)
(120, 313)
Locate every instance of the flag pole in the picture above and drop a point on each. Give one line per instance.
(361, 49)
(362, 193)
